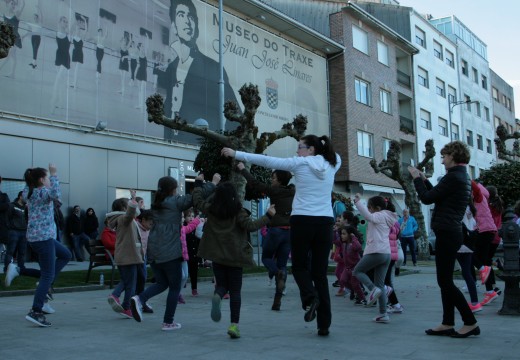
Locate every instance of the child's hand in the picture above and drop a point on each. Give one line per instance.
(200, 177)
(357, 197)
(216, 178)
(132, 194)
(240, 166)
(228, 152)
(271, 211)
(53, 169)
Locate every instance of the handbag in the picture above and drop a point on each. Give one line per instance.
(400, 255)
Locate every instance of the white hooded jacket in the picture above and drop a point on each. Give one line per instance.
(313, 178)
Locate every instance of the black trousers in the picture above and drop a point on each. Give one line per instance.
(447, 245)
(229, 278)
(311, 240)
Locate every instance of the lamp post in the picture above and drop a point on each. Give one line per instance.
(451, 105)
(221, 68)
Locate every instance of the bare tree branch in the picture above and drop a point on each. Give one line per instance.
(500, 144)
(7, 39)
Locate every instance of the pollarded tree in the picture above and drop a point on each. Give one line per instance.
(506, 176)
(7, 39)
(392, 168)
(245, 137)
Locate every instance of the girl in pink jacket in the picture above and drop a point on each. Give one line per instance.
(377, 250)
(351, 255)
(186, 229)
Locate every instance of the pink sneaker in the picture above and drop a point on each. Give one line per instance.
(172, 326)
(194, 292)
(484, 273)
(115, 303)
(488, 298)
(181, 300)
(475, 308)
(127, 314)
(226, 296)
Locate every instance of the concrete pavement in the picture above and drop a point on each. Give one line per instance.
(85, 327)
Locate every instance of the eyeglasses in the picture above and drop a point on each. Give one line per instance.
(303, 147)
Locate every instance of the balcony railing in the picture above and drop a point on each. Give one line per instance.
(404, 79)
(406, 125)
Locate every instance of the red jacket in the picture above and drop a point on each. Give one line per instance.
(108, 238)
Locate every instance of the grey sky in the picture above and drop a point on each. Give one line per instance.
(494, 22)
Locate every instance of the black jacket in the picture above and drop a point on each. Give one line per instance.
(75, 225)
(17, 216)
(4, 209)
(451, 196)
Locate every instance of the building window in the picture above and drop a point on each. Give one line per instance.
(382, 52)
(477, 107)
(475, 75)
(449, 59)
(495, 94)
(440, 88)
(426, 119)
(452, 94)
(443, 127)
(488, 146)
(365, 141)
(362, 91)
(420, 37)
(498, 121)
(469, 137)
(467, 99)
(385, 101)
(464, 67)
(437, 50)
(386, 147)
(480, 142)
(360, 39)
(455, 131)
(483, 81)
(504, 101)
(472, 172)
(508, 105)
(422, 77)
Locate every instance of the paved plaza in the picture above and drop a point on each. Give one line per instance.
(85, 327)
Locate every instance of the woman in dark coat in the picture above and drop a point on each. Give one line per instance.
(451, 196)
(91, 224)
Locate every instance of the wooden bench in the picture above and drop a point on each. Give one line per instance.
(100, 256)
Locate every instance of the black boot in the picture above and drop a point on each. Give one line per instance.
(277, 302)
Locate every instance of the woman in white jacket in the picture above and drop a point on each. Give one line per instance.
(311, 219)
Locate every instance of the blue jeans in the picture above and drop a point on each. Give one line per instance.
(52, 257)
(168, 275)
(276, 248)
(128, 275)
(409, 241)
(78, 242)
(17, 239)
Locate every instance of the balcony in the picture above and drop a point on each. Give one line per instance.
(406, 125)
(404, 79)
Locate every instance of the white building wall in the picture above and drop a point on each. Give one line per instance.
(427, 98)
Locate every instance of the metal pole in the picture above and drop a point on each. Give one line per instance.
(221, 68)
(449, 120)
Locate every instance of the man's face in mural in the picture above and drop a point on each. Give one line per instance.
(184, 23)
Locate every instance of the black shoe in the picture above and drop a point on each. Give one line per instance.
(310, 313)
(277, 302)
(280, 281)
(37, 318)
(147, 309)
(335, 283)
(447, 332)
(475, 331)
(352, 295)
(397, 271)
(323, 332)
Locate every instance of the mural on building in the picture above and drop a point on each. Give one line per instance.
(88, 61)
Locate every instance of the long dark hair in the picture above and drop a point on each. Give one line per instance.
(165, 187)
(495, 201)
(351, 218)
(377, 202)
(322, 146)
(226, 203)
(32, 178)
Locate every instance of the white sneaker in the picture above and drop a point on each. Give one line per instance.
(394, 309)
(10, 274)
(47, 309)
(389, 290)
(382, 318)
(374, 295)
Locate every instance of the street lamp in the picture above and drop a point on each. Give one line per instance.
(451, 105)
